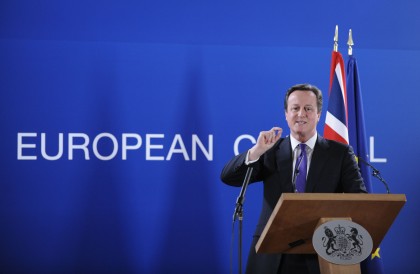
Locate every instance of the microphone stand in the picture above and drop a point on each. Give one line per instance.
(238, 213)
(376, 174)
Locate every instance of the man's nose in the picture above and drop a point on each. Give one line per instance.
(301, 112)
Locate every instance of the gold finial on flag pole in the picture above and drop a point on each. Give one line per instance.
(350, 43)
(336, 38)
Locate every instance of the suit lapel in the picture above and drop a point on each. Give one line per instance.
(318, 161)
(285, 162)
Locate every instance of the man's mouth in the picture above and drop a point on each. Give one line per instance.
(300, 122)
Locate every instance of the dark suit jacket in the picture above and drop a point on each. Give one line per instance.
(333, 169)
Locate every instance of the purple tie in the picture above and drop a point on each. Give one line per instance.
(302, 162)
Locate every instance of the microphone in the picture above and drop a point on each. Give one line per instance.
(241, 198)
(296, 173)
(375, 173)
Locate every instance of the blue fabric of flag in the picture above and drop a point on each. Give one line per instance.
(336, 103)
(357, 138)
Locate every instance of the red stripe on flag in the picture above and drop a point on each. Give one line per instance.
(330, 134)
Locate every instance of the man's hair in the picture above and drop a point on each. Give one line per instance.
(305, 87)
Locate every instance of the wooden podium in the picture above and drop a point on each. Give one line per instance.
(297, 215)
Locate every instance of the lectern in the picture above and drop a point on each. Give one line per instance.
(297, 215)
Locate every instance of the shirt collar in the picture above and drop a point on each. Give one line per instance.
(310, 143)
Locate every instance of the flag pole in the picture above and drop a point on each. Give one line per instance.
(350, 43)
(336, 39)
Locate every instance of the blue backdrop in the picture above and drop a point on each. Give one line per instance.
(117, 117)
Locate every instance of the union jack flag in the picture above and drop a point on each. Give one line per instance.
(336, 120)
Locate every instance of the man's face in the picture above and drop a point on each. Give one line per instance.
(302, 114)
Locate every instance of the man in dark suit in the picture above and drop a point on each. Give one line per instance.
(330, 168)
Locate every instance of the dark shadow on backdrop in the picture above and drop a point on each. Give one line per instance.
(100, 233)
(189, 243)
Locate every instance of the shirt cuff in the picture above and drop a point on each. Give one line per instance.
(247, 162)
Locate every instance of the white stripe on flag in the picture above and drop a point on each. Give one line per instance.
(337, 126)
(339, 74)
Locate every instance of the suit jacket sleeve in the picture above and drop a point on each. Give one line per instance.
(352, 181)
(234, 171)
